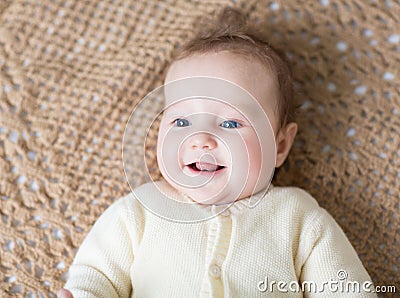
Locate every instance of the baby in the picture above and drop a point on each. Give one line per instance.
(217, 152)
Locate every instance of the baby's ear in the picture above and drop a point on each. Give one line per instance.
(284, 142)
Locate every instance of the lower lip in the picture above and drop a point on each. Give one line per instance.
(206, 173)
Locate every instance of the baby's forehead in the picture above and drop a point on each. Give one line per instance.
(209, 90)
(220, 104)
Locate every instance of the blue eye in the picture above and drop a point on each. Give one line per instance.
(230, 124)
(180, 122)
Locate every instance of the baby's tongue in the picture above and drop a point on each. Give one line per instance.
(203, 166)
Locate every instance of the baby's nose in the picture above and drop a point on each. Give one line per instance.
(203, 141)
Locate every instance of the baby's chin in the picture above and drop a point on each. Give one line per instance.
(217, 192)
(214, 192)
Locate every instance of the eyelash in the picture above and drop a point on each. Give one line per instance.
(183, 121)
(175, 122)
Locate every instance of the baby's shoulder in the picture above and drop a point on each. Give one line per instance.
(133, 198)
(294, 198)
(144, 193)
(299, 207)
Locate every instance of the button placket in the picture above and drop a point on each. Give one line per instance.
(219, 260)
(220, 230)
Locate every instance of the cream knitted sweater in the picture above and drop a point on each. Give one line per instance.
(283, 244)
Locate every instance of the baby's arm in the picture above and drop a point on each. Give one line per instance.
(102, 264)
(332, 263)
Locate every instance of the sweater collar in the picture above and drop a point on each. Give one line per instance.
(241, 205)
(236, 207)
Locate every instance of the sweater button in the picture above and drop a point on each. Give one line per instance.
(215, 271)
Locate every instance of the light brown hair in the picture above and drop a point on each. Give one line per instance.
(231, 30)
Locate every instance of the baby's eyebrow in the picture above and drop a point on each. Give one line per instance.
(233, 114)
(169, 116)
(230, 115)
(171, 113)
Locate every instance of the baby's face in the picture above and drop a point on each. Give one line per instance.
(218, 151)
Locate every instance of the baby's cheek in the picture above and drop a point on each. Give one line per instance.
(163, 155)
(255, 163)
(253, 147)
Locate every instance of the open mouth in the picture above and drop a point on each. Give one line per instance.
(205, 167)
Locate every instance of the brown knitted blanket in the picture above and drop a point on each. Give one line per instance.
(72, 71)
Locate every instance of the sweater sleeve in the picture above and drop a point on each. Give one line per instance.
(102, 264)
(332, 264)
